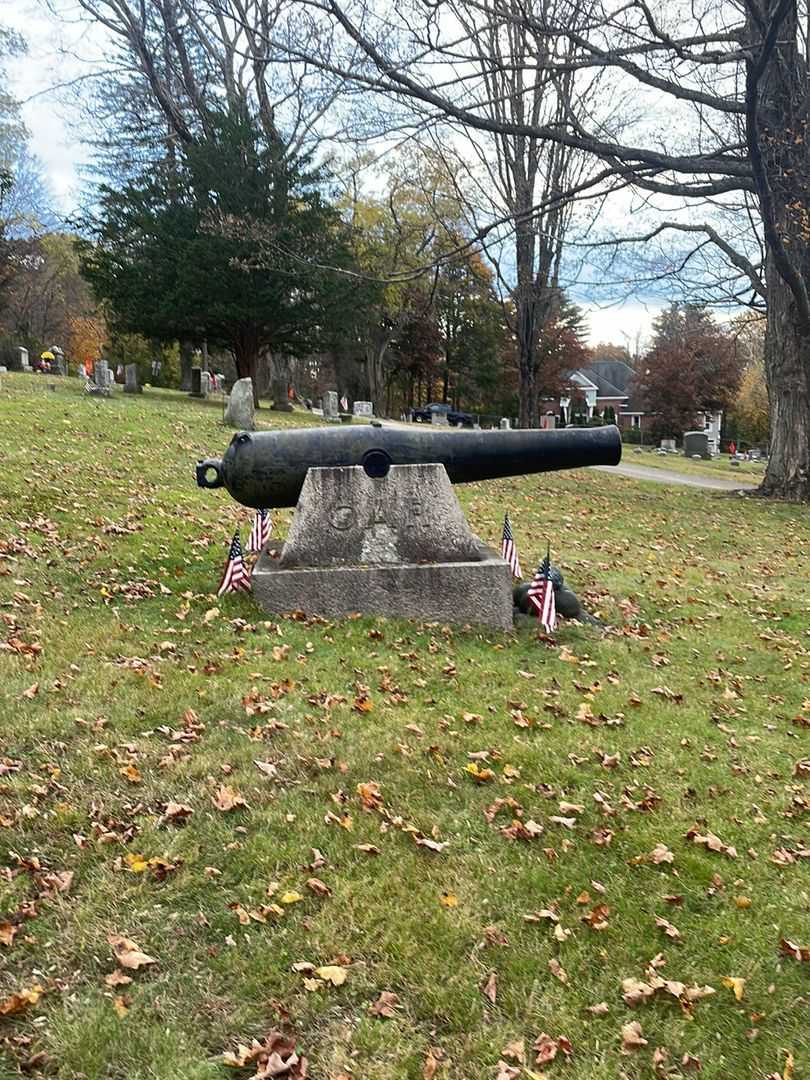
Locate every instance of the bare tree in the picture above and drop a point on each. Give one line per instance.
(722, 93)
(529, 184)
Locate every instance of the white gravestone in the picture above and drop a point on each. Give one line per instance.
(240, 412)
(363, 408)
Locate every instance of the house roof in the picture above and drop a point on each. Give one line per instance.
(611, 378)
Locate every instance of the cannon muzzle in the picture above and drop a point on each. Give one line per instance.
(268, 468)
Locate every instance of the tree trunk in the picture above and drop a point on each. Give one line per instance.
(527, 362)
(246, 358)
(375, 373)
(787, 369)
(186, 360)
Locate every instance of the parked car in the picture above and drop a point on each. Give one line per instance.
(425, 413)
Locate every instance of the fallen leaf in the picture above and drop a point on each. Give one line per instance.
(227, 798)
(490, 987)
(332, 973)
(737, 985)
(385, 1005)
(128, 954)
(448, 900)
(632, 1039)
(557, 970)
(21, 1000)
(670, 930)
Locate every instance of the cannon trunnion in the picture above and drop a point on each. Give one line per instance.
(268, 468)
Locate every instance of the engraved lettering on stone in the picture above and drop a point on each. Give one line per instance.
(342, 518)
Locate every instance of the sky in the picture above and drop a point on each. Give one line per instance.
(58, 53)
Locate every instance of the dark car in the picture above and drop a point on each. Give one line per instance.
(425, 413)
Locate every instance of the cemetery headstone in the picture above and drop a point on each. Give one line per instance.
(439, 418)
(196, 382)
(3, 369)
(23, 358)
(132, 384)
(100, 374)
(504, 424)
(330, 406)
(668, 444)
(696, 443)
(205, 383)
(240, 412)
(278, 392)
(363, 408)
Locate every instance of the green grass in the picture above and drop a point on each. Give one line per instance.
(109, 556)
(752, 471)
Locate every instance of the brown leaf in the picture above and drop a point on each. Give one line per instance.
(227, 798)
(632, 1039)
(798, 952)
(546, 1047)
(668, 928)
(117, 978)
(128, 954)
(557, 970)
(177, 812)
(711, 842)
(319, 887)
(601, 1008)
(21, 1000)
(490, 987)
(385, 1005)
(661, 854)
(432, 1060)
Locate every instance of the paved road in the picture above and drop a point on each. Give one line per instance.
(664, 476)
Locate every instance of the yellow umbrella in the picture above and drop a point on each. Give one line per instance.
(47, 355)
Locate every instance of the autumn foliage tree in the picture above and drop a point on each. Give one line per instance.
(693, 365)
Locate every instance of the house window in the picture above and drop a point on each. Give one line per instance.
(635, 420)
(610, 415)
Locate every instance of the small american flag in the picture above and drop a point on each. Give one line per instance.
(541, 594)
(344, 404)
(260, 532)
(508, 549)
(235, 576)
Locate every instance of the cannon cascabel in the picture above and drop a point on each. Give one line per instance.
(267, 468)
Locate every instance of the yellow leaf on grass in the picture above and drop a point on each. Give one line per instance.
(448, 900)
(291, 897)
(333, 974)
(737, 985)
(136, 863)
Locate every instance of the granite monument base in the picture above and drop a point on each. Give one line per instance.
(396, 545)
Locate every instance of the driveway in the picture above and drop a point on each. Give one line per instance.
(664, 476)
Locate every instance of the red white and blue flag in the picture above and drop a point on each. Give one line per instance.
(235, 576)
(260, 531)
(541, 595)
(344, 404)
(508, 548)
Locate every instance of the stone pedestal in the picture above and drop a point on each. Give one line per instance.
(240, 412)
(330, 406)
(397, 545)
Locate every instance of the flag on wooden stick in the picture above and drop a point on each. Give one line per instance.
(235, 575)
(508, 548)
(541, 595)
(344, 403)
(260, 531)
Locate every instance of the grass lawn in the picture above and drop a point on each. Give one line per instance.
(417, 850)
(752, 471)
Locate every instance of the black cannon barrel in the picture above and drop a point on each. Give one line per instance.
(268, 468)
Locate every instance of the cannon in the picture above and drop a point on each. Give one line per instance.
(267, 469)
